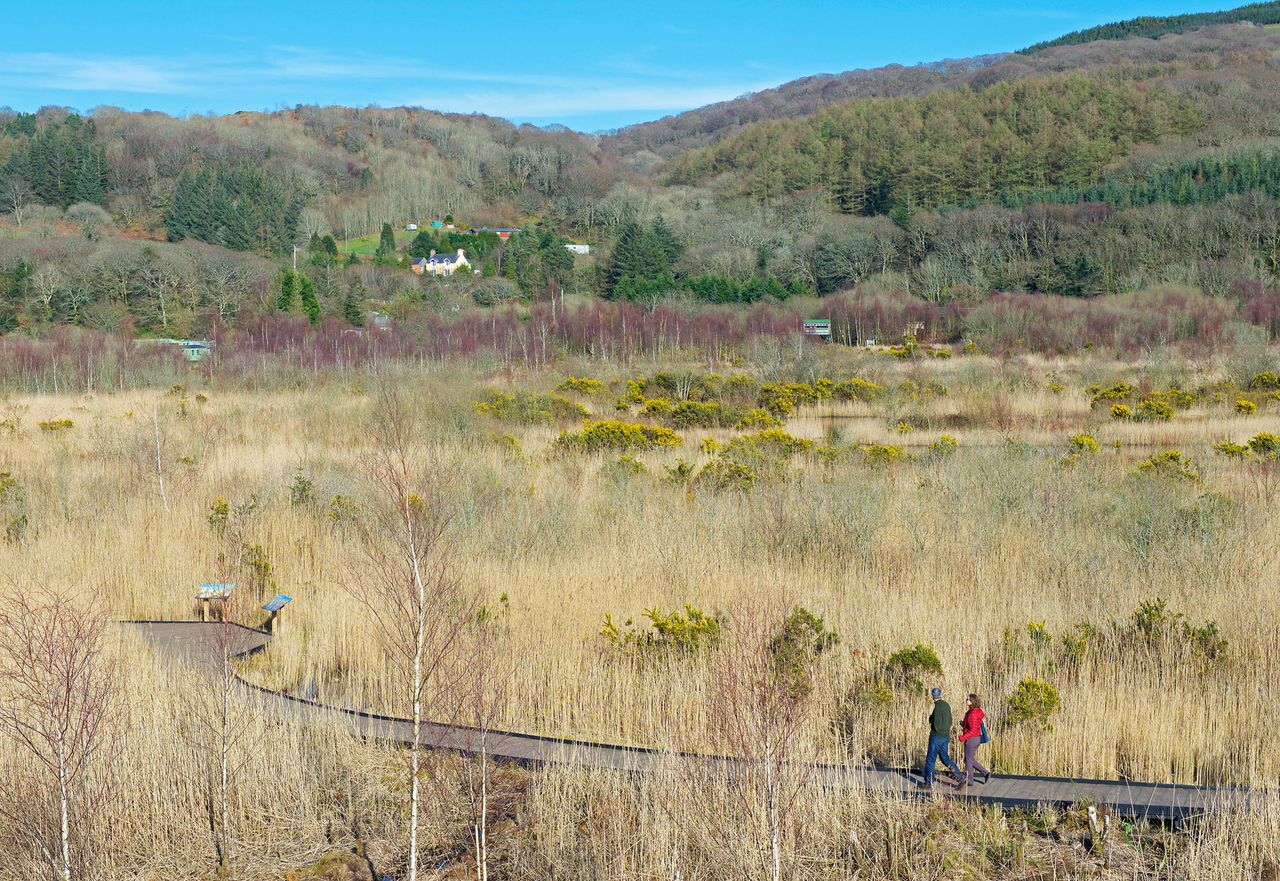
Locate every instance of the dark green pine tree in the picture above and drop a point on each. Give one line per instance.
(667, 246)
(627, 260)
(352, 308)
(288, 289)
(423, 244)
(307, 295)
(386, 243)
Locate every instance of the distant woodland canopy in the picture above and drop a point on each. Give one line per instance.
(236, 204)
(1101, 168)
(919, 153)
(1152, 26)
(61, 163)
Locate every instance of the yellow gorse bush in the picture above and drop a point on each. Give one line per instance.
(614, 435)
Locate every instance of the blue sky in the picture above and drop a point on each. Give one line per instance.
(589, 66)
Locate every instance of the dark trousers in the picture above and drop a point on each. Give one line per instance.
(971, 762)
(939, 748)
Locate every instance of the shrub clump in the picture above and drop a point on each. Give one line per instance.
(1170, 464)
(14, 511)
(1033, 701)
(1267, 380)
(905, 667)
(53, 426)
(882, 454)
(794, 648)
(723, 474)
(1265, 444)
(678, 632)
(1153, 410)
(613, 435)
(943, 446)
(1083, 444)
(530, 408)
(581, 385)
(1121, 412)
(1245, 407)
(856, 390)
(770, 441)
(1232, 450)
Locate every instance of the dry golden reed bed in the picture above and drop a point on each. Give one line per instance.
(962, 551)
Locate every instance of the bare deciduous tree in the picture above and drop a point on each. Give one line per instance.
(219, 720)
(761, 713)
(409, 585)
(58, 689)
(15, 195)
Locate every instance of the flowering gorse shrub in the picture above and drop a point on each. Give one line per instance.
(1121, 411)
(1034, 701)
(757, 418)
(1085, 444)
(53, 426)
(943, 446)
(530, 408)
(1265, 444)
(1267, 380)
(581, 385)
(1232, 450)
(678, 632)
(856, 390)
(1152, 410)
(1245, 407)
(613, 435)
(1121, 391)
(723, 474)
(1170, 464)
(882, 454)
(770, 441)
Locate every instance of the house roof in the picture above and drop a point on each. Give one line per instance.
(444, 258)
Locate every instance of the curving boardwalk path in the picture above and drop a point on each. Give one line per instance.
(190, 641)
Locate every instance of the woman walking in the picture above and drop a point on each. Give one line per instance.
(973, 733)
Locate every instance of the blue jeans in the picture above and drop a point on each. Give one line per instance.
(939, 748)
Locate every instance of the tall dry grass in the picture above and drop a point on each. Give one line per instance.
(962, 552)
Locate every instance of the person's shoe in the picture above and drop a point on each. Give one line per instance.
(985, 778)
(961, 786)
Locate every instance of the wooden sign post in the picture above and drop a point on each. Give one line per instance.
(274, 605)
(211, 601)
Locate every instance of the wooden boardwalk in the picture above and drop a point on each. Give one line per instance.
(192, 641)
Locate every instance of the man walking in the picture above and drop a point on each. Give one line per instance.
(939, 739)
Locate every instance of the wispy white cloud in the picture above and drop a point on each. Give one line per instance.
(625, 87)
(57, 71)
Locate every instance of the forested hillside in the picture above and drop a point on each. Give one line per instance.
(1083, 169)
(1153, 26)
(882, 154)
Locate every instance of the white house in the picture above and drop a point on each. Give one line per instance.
(577, 249)
(441, 264)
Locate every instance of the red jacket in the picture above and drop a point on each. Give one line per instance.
(972, 724)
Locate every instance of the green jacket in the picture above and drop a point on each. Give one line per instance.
(940, 718)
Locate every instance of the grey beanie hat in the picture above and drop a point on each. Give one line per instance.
(936, 692)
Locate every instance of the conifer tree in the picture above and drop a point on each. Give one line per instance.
(307, 295)
(386, 243)
(288, 289)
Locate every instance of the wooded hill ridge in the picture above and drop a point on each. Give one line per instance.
(1090, 166)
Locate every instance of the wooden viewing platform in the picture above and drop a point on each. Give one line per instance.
(1135, 800)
